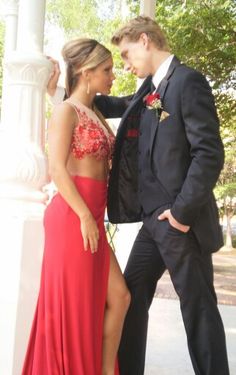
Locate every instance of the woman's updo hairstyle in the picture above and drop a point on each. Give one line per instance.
(81, 54)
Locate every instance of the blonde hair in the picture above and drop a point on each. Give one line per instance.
(81, 54)
(135, 27)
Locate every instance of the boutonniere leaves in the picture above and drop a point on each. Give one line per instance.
(153, 101)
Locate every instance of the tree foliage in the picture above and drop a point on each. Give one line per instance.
(202, 34)
(77, 17)
(96, 19)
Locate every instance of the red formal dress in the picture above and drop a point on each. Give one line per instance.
(66, 336)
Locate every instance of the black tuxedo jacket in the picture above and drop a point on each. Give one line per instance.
(185, 153)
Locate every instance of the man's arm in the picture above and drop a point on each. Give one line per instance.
(112, 106)
(206, 148)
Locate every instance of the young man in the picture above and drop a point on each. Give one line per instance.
(167, 159)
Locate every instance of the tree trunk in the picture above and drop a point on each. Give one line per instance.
(228, 239)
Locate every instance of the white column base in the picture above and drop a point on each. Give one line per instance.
(21, 244)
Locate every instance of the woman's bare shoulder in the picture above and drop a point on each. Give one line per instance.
(63, 113)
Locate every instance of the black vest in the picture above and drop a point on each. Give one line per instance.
(151, 192)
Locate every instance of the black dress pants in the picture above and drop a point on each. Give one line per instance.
(158, 247)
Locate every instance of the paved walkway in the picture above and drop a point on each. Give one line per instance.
(167, 352)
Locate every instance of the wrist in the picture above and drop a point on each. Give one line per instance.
(85, 216)
(51, 91)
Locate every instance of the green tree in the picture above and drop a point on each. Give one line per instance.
(76, 17)
(94, 19)
(226, 187)
(202, 33)
(226, 198)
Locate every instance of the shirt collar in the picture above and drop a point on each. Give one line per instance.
(161, 71)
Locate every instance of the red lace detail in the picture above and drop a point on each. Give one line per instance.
(91, 138)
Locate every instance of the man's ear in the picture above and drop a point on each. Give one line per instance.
(144, 39)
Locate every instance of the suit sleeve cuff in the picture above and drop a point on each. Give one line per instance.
(184, 216)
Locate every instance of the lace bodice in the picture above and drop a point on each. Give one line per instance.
(90, 136)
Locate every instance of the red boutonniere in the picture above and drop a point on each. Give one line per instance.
(153, 101)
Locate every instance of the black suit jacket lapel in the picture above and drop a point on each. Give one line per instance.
(161, 90)
(156, 113)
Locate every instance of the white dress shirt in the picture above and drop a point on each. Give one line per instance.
(58, 97)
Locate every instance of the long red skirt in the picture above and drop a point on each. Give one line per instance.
(66, 336)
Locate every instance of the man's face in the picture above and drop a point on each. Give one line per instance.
(136, 56)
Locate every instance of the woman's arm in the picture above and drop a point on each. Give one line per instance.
(61, 128)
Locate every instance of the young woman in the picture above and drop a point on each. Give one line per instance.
(83, 298)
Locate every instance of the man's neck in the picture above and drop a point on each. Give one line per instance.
(158, 57)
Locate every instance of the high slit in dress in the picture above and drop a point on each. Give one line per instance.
(66, 336)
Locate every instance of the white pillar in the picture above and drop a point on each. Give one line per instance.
(10, 10)
(31, 28)
(23, 173)
(147, 8)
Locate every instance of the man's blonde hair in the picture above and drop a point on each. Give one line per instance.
(135, 27)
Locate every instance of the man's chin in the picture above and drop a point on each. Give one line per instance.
(141, 75)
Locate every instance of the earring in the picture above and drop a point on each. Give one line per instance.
(88, 88)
